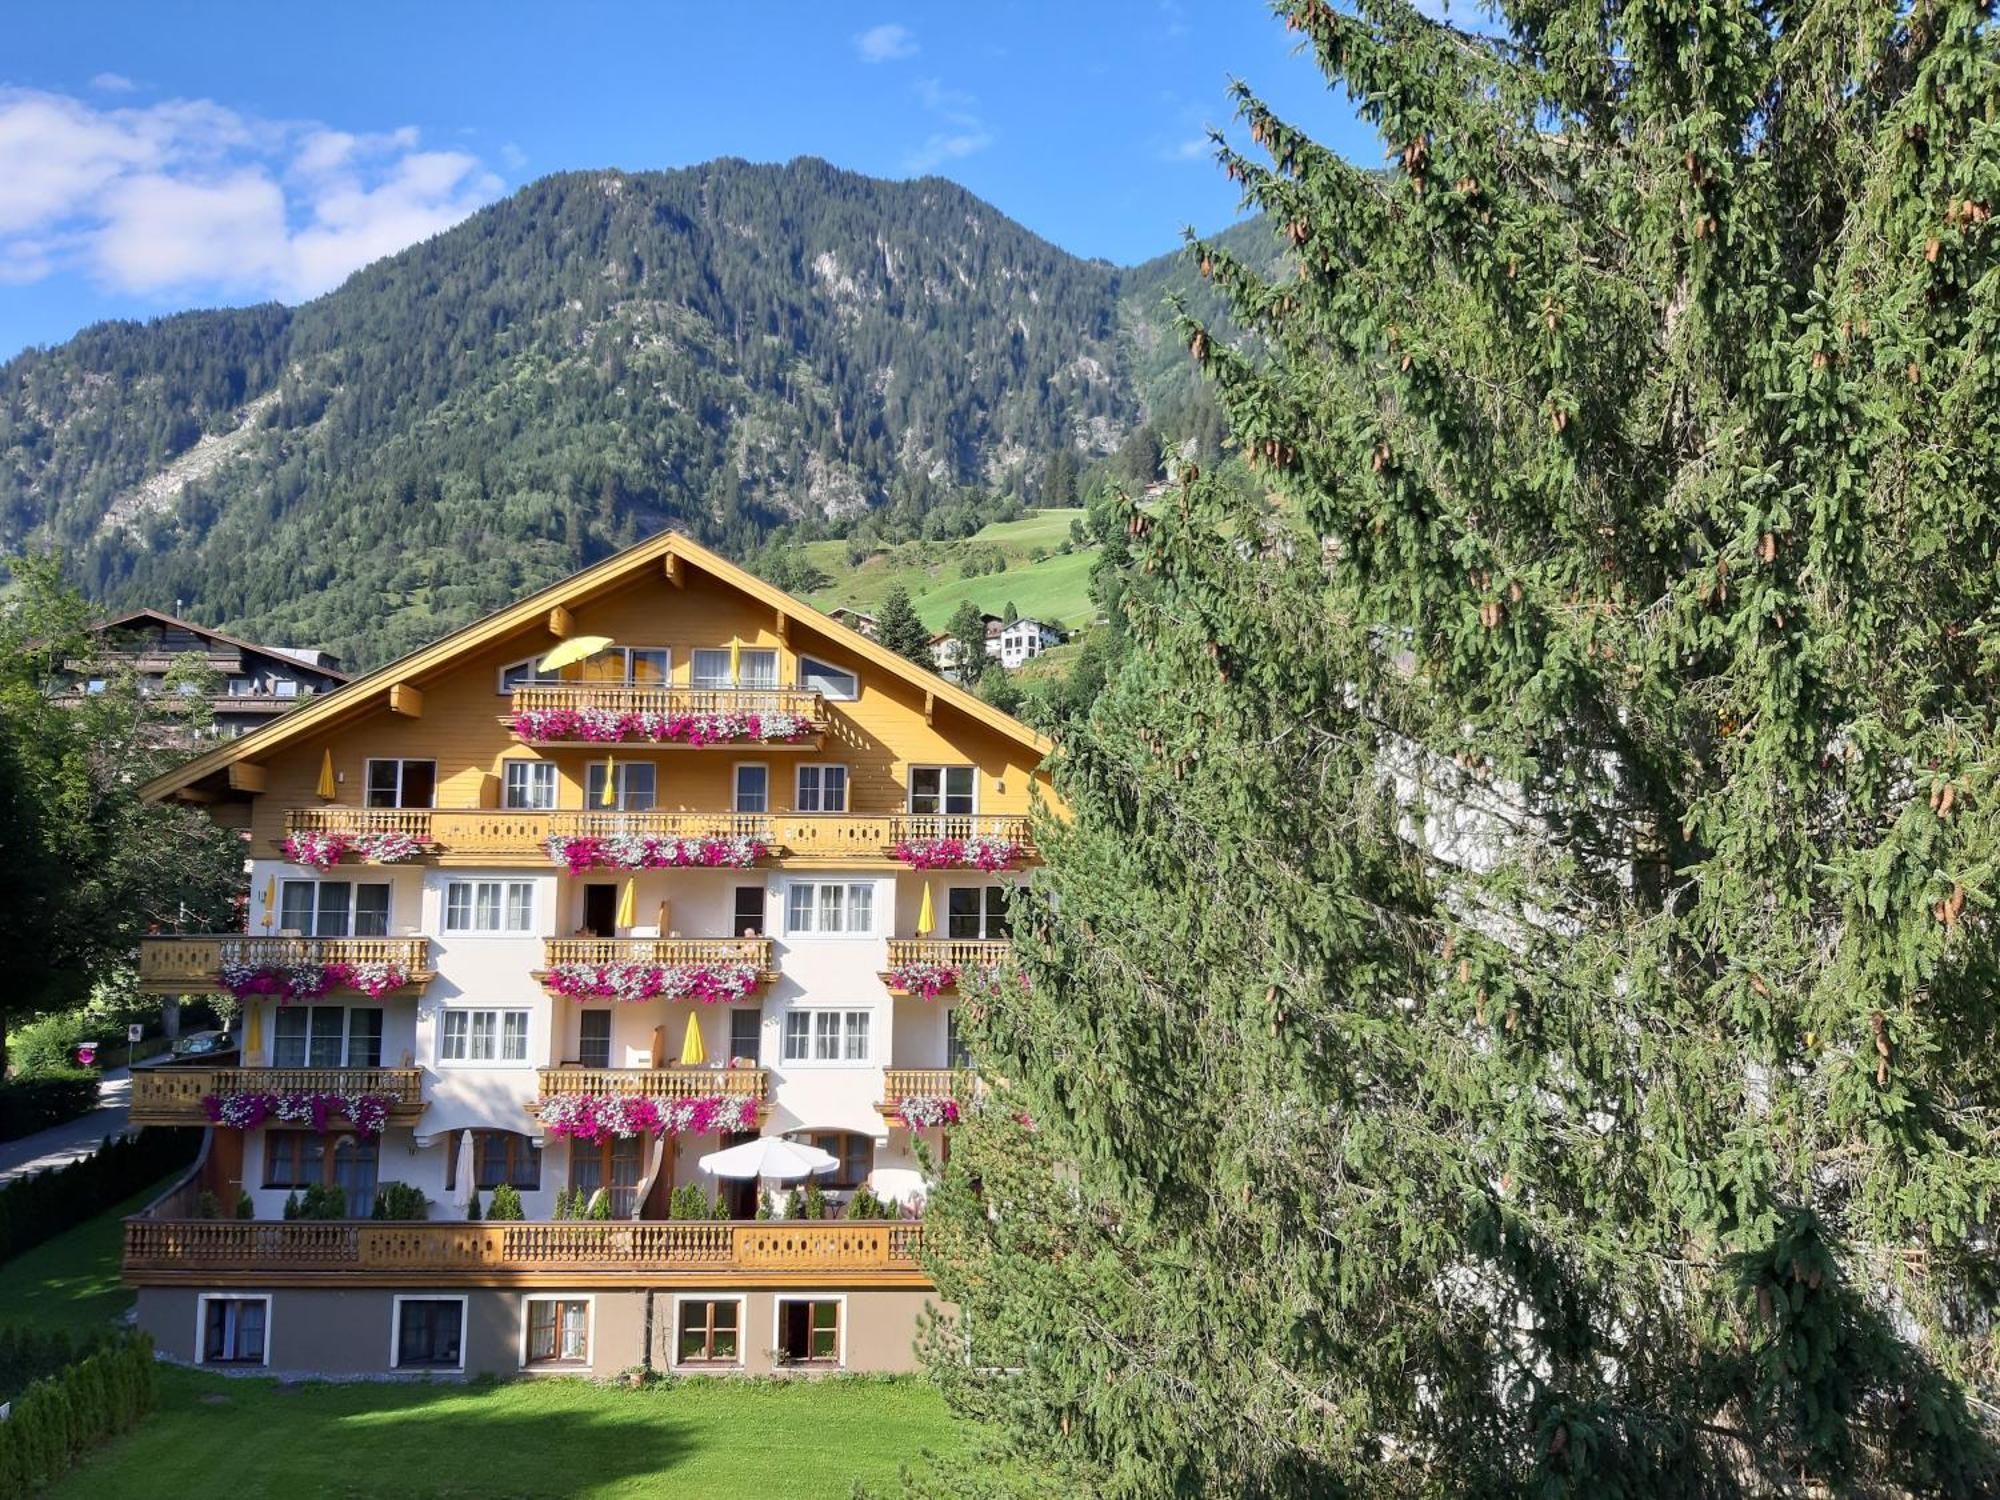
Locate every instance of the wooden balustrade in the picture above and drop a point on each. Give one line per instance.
(193, 964)
(670, 701)
(172, 1095)
(505, 837)
(663, 951)
(927, 1083)
(659, 1083)
(958, 954)
(161, 1251)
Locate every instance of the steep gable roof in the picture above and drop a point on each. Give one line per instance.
(174, 622)
(659, 552)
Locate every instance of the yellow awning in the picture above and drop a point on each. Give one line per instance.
(926, 914)
(693, 1054)
(327, 790)
(628, 903)
(576, 649)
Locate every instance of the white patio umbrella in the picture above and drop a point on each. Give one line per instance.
(468, 1172)
(769, 1156)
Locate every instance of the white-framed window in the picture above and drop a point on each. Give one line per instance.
(822, 788)
(334, 908)
(708, 1330)
(635, 786)
(943, 789)
(402, 783)
(977, 911)
(828, 680)
(555, 1330)
(517, 674)
(326, 1036)
(427, 1333)
(827, 1036)
(819, 908)
(754, 669)
(529, 785)
(483, 1036)
(809, 1329)
(232, 1328)
(753, 787)
(489, 906)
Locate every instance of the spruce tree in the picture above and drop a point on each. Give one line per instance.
(1513, 1007)
(967, 628)
(898, 628)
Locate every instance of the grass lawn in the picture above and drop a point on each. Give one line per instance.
(688, 1440)
(1056, 587)
(71, 1281)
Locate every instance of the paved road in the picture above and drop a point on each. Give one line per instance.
(79, 1137)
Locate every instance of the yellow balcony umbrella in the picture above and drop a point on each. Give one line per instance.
(609, 796)
(326, 789)
(693, 1054)
(253, 1034)
(270, 899)
(926, 914)
(628, 903)
(735, 661)
(570, 652)
(663, 919)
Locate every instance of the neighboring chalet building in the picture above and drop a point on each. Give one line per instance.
(1010, 645)
(570, 932)
(944, 645)
(855, 620)
(253, 683)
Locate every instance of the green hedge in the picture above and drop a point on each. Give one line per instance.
(29, 1354)
(33, 1209)
(60, 1416)
(44, 1099)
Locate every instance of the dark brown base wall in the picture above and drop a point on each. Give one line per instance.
(338, 1332)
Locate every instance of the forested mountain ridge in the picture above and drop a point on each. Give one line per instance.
(725, 348)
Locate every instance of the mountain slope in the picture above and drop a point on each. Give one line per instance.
(722, 348)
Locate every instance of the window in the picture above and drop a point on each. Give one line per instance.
(504, 1156)
(639, 666)
(941, 789)
(518, 674)
(749, 919)
(808, 1332)
(593, 1038)
(830, 906)
(327, 1036)
(635, 785)
(975, 911)
(825, 1036)
(753, 788)
(233, 1329)
(558, 1331)
(489, 906)
(612, 1164)
(294, 1158)
(531, 785)
(285, 687)
(430, 1332)
(305, 1158)
(746, 1033)
(827, 681)
(241, 687)
(755, 669)
(855, 1152)
(401, 783)
(334, 908)
(484, 1036)
(710, 1331)
(822, 789)
(96, 685)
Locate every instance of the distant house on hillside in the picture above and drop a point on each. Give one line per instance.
(1023, 640)
(855, 620)
(944, 647)
(252, 683)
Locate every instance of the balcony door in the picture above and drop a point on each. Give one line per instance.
(600, 910)
(613, 1165)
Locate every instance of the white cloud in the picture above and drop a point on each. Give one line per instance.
(113, 83)
(964, 132)
(1193, 149)
(513, 156)
(189, 195)
(886, 43)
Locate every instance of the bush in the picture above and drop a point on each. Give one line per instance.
(245, 1209)
(51, 1098)
(400, 1201)
(317, 1203)
(721, 1208)
(207, 1205)
(59, 1416)
(506, 1205)
(600, 1205)
(49, 1045)
(30, 1354)
(33, 1209)
(472, 1208)
(865, 1205)
(811, 1201)
(687, 1202)
(764, 1204)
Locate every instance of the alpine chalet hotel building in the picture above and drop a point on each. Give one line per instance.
(569, 930)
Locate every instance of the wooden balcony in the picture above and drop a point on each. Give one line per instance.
(658, 1083)
(664, 952)
(960, 1085)
(478, 836)
(672, 702)
(348, 1252)
(172, 1095)
(193, 965)
(955, 954)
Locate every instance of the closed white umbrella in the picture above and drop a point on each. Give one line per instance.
(468, 1173)
(769, 1156)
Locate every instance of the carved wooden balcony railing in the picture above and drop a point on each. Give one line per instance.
(454, 1253)
(959, 1085)
(172, 1095)
(955, 954)
(673, 702)
(664, 952)
(658, 1083)
(503, 837)
(192, 965)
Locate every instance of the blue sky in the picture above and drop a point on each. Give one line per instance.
(160, 156)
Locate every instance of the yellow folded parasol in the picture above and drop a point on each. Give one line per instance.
(693, 1054)
(609, 796)
(735, 661)
(326, 789)
(628, 903)
(253, 1035)
(926, 914)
